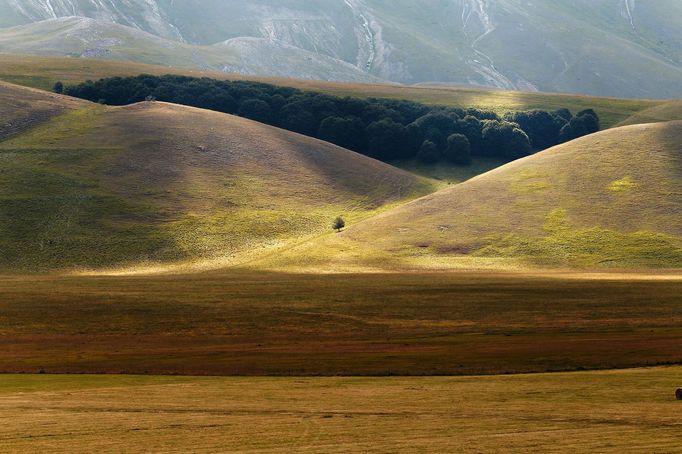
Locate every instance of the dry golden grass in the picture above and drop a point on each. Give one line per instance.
(156, 184)
(612, 199)
(631, 411)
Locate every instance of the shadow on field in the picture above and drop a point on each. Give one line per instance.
(277, 324)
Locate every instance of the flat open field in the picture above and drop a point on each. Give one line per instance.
(586, 412)
(278, 324)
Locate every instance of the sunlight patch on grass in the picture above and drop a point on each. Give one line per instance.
(624, 184)
(66, 126)
(586, 247)
(534, 186)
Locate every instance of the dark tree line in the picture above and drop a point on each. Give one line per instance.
(547, 129)
(384, 129)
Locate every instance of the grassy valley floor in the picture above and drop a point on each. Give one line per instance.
(612, 411)
(374, 324)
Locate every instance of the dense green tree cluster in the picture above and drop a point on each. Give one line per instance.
(384, 129)
(547, 129)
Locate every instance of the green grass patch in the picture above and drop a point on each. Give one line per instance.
(526, 187)
(624, 184)
(54, 213)
(70, 125)
(588, 247)
(41, 82)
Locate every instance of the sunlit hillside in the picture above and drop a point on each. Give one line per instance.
(667, 111)
(612, 199)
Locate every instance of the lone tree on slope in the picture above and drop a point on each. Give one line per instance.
(339, 224)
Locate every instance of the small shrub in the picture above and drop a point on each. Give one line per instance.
(339, 224)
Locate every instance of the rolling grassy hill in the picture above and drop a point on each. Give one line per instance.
(159, 183)
(43, 72)
(153, 184)
(668, 111)
(612, 199)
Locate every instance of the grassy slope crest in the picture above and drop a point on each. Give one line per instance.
(668, 111)
(24, 108)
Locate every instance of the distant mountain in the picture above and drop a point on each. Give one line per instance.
(627, 48)
(90, 38)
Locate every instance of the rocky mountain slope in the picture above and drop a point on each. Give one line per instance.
(94, 38)
(623, 48)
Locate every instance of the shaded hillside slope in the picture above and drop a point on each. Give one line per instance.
(157, 184)
(84, 37)
(43, 72)
(22, 108)
(612, 199)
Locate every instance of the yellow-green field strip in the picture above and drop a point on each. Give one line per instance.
(630, 411)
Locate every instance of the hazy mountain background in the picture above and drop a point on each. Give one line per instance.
(627, 48)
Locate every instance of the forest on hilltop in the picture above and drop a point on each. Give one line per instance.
(387, 130)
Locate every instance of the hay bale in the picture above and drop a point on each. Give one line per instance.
(678, 393)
